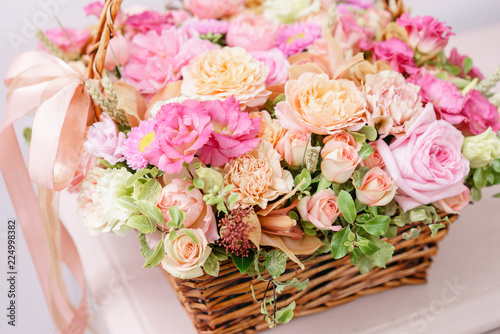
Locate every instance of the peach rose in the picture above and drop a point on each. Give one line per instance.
(227, 72)
(339, 161)
(321, 105)
(292, 146)
(199, 215)
(377, 188)
(455, 203)
(184, 257)
(320, 209)
(258, 177)
(270, 129)
(374, 160)
(344, 137)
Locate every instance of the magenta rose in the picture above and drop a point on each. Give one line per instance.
(180, 130)
(320, 209)
(447, 99)
(396, 53)
(479, 114)
(426, 164)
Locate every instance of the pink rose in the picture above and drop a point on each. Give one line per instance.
(425, 34)
(447, 99)
(199, 215)
(395, 52)
(455, 203)
(185, 257)
(105, 141)
(374, 160)
(339, 161)
(456, 59)
(277, 63)
(344, 137)
(292, 146)
(479, 114)
(426, 164)
(119, 47)
(180, 130)
(214, 9)
(254, 33)
(94, 8)
(320, 209)
(377, 188)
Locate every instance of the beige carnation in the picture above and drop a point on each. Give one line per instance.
(225, 72)
(258, 177)
(358, 72)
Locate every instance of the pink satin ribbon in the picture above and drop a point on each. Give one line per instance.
(41, 82)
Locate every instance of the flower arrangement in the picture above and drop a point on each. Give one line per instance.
(273, 131)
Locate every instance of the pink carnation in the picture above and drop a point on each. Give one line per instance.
(254, 33)
(72, 46)
(158, 58)
(447, 99)
(457, 59)
(208, 26)
(292, 39)
(181, 130)
(396, 52)
(277, 63)
(94, 8)
(234, 132)
(105, 141)
(214, 9)
(479, 114)
(149, 20)
(140, 142)
(425, 34)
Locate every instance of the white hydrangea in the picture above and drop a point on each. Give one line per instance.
(289, 11)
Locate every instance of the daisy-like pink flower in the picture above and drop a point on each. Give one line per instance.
(292, 39)
(234, 132)
(208, 26)
(180, 129)
(140, 141)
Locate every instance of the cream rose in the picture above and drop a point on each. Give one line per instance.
(184, 257)
(288, 11)
(320, 209)
(258, 177)
(377, 188)
(199, 215)
(225, 72)
(292, 147)
(321, 105)
(339, 161)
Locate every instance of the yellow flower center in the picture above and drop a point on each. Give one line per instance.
(292, 38)
(146, 141)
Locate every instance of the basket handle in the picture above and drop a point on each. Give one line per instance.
(97, 52)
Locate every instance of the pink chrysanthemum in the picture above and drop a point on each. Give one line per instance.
(234, 132)
(140, 141)
(296, 38)
(209, 26)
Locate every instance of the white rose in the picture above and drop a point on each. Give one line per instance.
(288, 11)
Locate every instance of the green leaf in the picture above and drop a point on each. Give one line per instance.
(365, 151)
(476, 194)
(370, 132)
(377, 225)
(191, 235)
(337, 187)
(232, 199)
(495, 164)
(128, 203)
(436, 227)
(150, 191)
(27, 135)
(392, 231)
(413, 234)
(369, 248)
(157, 255)
(211, 265)
(358, 137)
(284, 315)
(359, 175)
(242, 263)
(441, 75)
(384, 255)
(221, 254)
(150, 210)
(360, 260)
(138, 174)
(455, 70)
(276, 262)
(373, 210)
(279, 98)
(227, 188)
(172, 235)
(142, 224)
(299, 285)
(346, 206)
(391, 208)
(198, 183)
(177, 215)
(467, 65)
(460, 83)
(359, 206)
(339, 249)
(363, 218)
(479, 178)
(497, 195)
(145, 250)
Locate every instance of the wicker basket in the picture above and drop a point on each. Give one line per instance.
(224, 304)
